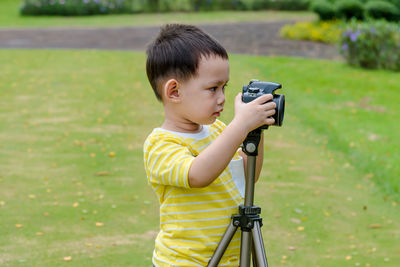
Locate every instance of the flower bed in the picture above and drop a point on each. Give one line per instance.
(75, 7)
(372, 45)
(321, 31)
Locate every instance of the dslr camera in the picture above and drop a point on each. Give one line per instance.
(258, 88)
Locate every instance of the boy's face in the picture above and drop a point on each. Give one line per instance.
(203, 95)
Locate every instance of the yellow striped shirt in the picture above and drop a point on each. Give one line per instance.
(192, 220)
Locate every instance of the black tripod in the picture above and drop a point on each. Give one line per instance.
(248, 218)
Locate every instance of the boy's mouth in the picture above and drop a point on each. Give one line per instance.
(218, 113)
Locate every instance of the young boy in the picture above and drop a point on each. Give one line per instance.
(192, 161)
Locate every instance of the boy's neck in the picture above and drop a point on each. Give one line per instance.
(183, 127)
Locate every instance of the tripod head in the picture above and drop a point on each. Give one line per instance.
(250, 144)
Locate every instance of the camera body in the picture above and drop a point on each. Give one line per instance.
(257, 88)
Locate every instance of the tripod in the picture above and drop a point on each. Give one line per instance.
(248, 218)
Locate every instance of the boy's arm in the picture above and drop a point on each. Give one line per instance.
(211, 162)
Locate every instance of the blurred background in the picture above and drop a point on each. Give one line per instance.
(76, 107)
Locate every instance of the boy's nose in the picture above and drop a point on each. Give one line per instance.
(221, 98)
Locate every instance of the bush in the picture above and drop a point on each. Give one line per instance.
(382, 10)
(348, 9)
(324, 9)
(288, 4)
(174, 5)
(325, 31)
(395, 2)
(250, 4)
(75, 7)
(372, 45)
(89, 7)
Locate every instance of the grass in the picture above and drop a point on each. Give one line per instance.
(9, 17)
(73, 188)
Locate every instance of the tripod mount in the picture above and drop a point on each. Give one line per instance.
(248, 219)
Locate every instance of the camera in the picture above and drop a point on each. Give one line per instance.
(258, 88)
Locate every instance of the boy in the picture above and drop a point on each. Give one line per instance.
(192, 161)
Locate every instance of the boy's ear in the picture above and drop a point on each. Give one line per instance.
(171, 90)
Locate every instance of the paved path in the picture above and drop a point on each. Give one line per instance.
(244, 38)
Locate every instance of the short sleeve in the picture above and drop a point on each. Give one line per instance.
(167, 163)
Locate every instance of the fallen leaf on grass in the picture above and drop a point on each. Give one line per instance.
(369, 176)
(327, 214)
(294, 220)
(375, 226)
(79, 143)
(102, 173)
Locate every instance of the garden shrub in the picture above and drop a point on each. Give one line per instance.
(372, 45)
(288, 4)
(382, 10)
(251, 4)
(175, 5)
(75, 7)
(228, 5)
(348, 9)
(150, 5)
(90, 7)
(395, 2)
(324, 9)
(321, 31)
(259, 5)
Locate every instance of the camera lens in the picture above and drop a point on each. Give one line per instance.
(279, 100)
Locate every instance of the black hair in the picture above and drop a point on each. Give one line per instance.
(177, 51)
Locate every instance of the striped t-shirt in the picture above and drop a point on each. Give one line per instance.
(192, 220)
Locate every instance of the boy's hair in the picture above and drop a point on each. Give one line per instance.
(177, 51)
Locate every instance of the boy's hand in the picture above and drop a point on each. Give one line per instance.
(255, 113)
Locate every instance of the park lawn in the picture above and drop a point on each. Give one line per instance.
(9, 17)
(73, 187)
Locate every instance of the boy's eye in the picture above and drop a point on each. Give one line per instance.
(215, 88)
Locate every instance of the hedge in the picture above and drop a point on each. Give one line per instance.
(92, 7)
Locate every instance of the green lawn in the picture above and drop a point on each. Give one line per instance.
(73, 190)
(9, 17)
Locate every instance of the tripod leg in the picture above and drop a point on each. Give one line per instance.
(223, 244)
(245, 249)
(259, 246)
(253, 255)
